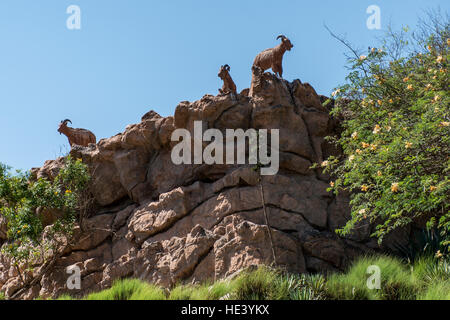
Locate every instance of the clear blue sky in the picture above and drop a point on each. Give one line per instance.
(131, 56)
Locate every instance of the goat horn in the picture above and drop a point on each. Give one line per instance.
(227, 67)
(67, 120)
(281, 36)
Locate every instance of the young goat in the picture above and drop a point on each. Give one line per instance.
(80, 137)
(228, 84)
(273, 57)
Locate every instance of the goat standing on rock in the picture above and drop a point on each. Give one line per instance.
(273, 57)
(228, 84)
(80, 137)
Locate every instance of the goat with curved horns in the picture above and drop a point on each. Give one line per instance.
(228, 84)
(80, 137)
(273, 57)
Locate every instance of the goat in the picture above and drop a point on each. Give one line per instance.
(273, 57)
(228, 84)
(80, 137)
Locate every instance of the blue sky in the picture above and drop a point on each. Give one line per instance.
(133, 56)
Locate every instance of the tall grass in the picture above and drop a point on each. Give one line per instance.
(397, 282)
(427, 278)
(129, 289)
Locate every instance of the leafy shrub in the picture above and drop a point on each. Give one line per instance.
(396, 133)
(423, 243)
(19, 200)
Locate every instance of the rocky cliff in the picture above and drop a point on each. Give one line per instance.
(167, 223)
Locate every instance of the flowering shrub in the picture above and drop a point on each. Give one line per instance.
(19, 200)
(396, 134)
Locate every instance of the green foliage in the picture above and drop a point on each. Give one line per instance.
(129, 289)
(271, 284)
(424, 243)
(427, 278)
(429, 269)
(436, 291)
(2, 296)
(397, 282)
(396, 134)
(20, 198)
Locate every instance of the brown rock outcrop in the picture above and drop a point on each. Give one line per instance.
(166, 223)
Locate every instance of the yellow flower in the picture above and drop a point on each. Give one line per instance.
(408, 145)
(332, 184)
(388, 128)
(372, 50)
(434, 77)
(432, 188)
(376, 129)
(439, 254)
(358, 151)
(379, 102)
(68, 191)
(365, 145)
(445, 123)
(394, 187)
(379, 173)
(334, 93)
(355, 135)
(364, 188)
(439, 59)
(351, 158)
(429, 48)
(410, 87)
(405, 79)
(56, 192)
(373, 147)
(436, 98)
(362, 211)
(428, 86)
(362, 58)
(448, 42)
(324, 164)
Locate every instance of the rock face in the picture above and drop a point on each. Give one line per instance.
(166, 223)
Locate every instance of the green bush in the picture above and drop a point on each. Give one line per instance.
(396, 133)
(20, 198)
